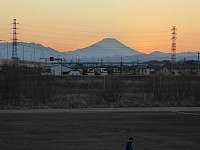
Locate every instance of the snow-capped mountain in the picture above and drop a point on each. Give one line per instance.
(108, 50)
(107, 47)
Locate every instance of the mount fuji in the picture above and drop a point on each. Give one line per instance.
(108, 47)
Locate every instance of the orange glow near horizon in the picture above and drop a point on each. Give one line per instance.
(66, 25)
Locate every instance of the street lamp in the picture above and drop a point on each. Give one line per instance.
(70, 57)
(23, 51)
(77, 59)
(42, 50)
(7, 46)
(34, 51)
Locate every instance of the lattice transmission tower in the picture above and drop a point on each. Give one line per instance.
(173, 48)
(14, 39)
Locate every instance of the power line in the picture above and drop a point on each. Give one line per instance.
(79, 35)
(58, 28)
(59, 37)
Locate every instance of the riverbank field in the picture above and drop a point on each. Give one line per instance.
(24, 89)
(100, 129)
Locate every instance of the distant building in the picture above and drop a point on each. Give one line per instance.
(57, 70)
(140, 70)
(154, 69)
(101, 71)
(189, 70)
(169, 70)
(74, 73)
(90, 71)
(113, 70)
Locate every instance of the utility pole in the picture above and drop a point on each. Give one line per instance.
(173, 46)
(121, 64)
(198, 56)
(14, 51)
(101, 62)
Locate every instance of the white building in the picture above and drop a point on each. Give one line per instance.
(74, 73)
(104, 71)
(57, 70)
(90, 72)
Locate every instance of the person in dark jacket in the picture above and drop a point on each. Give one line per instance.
(129, 144)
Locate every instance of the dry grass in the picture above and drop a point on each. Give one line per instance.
(98, 130)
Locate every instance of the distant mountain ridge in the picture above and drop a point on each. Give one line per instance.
(108, 49)
(160, 54)
(28, 51)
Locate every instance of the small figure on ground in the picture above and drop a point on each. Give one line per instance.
(129, 144)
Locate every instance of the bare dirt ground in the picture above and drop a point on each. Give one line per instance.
(100, 129)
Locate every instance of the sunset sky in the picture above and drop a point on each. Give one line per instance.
(65, 25)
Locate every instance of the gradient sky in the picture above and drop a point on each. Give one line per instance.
(144, 25)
